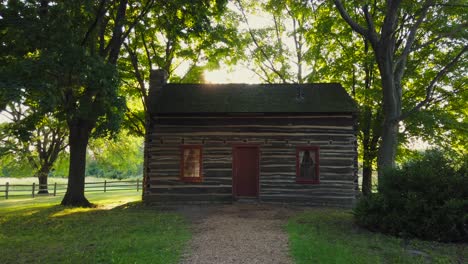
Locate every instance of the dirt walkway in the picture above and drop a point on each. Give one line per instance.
(239, 233)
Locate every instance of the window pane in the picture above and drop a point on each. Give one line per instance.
(307, 165)
(191, 162)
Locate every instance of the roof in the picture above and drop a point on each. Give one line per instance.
(256, 98)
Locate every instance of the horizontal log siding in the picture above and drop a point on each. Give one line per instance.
(277, 137)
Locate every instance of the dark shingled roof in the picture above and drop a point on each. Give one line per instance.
(257, 98)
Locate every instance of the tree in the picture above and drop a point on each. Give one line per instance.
(285, 50)
(308, 43)
(69, 66)
(92, 105)
(175, 34)
(396, 32)
(346, 58)
(333, 53)
(121, 157)
(39, 146)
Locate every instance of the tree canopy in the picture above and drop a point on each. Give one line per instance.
(183, 38)
(84, 66)
(424, 42)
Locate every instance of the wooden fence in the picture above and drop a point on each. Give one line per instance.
(21, 190)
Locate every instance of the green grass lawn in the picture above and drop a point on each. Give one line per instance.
(119, 230)
(330, 236)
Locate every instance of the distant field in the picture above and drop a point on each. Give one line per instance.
(118, 230)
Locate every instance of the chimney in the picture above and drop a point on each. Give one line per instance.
(158, 78)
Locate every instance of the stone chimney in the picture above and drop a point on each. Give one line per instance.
(158, 78)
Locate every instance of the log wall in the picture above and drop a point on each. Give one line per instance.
(277, 137)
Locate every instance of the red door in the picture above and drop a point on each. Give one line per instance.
(245, 171)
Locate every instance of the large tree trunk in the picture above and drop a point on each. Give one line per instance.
(391, 109)
(388, 146)
(78, 141)
(384, 47)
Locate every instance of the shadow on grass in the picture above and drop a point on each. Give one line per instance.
(330, 236)
(126, 233)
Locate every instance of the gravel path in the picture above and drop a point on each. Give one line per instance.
(238, 233)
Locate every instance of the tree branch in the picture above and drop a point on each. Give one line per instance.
(137, 73)
(99, 14)
(431, 86)
(254, 39)
(401, 62)
(440, 37)
(117, 35)
(136, 122)
(145, 11)
(371, 32)
(192, 66)
(391, 15)
(147, 52)
(266, 80)
(354, 25)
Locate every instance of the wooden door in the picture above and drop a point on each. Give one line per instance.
(245, 166)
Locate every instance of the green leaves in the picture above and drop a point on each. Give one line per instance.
(121, 157)
(182, 37)
(58, 66)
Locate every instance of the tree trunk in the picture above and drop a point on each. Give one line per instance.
(78, 141)
(43, 188)
(42, 175)
(388, 146)
(391, 109)
(366, 187)
(366, 179)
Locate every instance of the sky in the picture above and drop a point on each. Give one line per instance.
(239, 73)
(3, 118)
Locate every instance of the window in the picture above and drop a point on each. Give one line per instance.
(191, 163)
(307, 165)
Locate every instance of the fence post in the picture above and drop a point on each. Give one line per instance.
(6, 190)
(138, 185)
(33, 189)
(55, 189)
(105, 185)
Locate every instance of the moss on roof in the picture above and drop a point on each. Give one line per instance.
(258, 98)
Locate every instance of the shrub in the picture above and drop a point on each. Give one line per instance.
(426, 198)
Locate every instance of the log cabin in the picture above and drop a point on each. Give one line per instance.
(281, 143)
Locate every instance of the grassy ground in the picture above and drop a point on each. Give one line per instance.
(121, 230)
(330, 236)
(118, 230)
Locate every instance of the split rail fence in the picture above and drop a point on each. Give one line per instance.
(32, 190)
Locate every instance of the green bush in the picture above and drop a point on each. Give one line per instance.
(426, 198)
